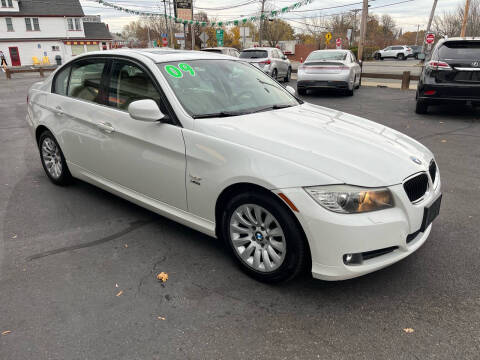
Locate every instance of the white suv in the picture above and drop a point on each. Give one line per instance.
(400, 52)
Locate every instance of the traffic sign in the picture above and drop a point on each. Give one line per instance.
(338, 42)
(430, 38)
(204, 37)
(219, 35)
(164, 41)
(328, 37)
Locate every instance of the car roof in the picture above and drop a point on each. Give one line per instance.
(218, 48)
(260, 48)
(322, 50)
(466, 38)
(159, 55)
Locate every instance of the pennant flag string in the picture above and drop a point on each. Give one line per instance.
(269, 14)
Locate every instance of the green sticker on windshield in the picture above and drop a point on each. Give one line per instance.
(186, 68)
(173, 71)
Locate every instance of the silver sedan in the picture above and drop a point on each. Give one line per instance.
(334, 69)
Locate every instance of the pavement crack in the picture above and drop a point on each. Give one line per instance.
(132, 227)
(447, 132)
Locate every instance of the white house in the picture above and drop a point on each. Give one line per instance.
(38, 28)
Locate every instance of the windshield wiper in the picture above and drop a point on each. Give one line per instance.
(272, 107)
(218, 114)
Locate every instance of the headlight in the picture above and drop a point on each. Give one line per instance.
(348, 199)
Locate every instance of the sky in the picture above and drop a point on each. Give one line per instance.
(408, 14)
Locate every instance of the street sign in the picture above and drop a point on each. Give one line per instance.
(338, 42)
(204, 37)
(164, 41)
(179, 35)
(328, 37)
(219, 34)
(430, 38)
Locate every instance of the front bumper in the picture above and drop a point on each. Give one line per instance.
(331, 235)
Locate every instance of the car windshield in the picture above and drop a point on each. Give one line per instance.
(254, 54)
(460, 50)
(214, 88)
(327, 55)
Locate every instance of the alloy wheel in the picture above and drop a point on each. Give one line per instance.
(51, 158)
(257, 238)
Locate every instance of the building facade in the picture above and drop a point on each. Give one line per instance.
(34, 29)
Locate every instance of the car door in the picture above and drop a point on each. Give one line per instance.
(387, 52)
(147, 158)
(283, 61)
(356, 66)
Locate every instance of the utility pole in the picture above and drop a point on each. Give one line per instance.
(465, 18)
(432, 13)
(165, 13)
(416, 36)
(193, 31)
(260, 30)
(363, 29)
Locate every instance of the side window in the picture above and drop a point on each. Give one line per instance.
(61, 81)
(388, 48)
(129, 83)
(280, 54)
(86, 79)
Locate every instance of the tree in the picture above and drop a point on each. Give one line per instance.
(450, 23)
(276, 30)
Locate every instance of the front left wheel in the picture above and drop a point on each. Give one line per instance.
(264, 237)
(52, 159)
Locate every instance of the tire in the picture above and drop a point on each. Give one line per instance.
(352, 91)
(401, 56)
(301, 91)
(382, 58)
(289, 74)
(421, 107)
(53, 160)
(253, 245)
(274, 74)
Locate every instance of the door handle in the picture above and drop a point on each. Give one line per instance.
(107, 127)
(59, 111)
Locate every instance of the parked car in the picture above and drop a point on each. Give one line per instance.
(223, 50)
(217, 145)
(416, 49)
(400, 52)
(452, 74)
(332, 69)
(269, 59)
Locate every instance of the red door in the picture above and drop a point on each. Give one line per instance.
(14, 56)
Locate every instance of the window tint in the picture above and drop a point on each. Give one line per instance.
(465, 50)
(397, 48)
(129, 83)
(253, 54)
(61, 81)
(85, 80)
(326, 55)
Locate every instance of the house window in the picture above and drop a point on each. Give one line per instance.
(55, 48)
(9, 24)
(70, 24)
(5, 2)
(30, 21)
(78, 24)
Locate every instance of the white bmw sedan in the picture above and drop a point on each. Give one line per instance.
(214, 143)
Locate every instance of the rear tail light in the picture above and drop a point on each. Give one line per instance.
(266, 62)
(438, 65)
(429, 92)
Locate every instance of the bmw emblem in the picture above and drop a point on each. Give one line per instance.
(416, 160)
(259, 236)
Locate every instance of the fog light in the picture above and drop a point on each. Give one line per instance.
(352, 259)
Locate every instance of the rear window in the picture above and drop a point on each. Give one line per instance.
(218, 51)
(327, 55)
(466, 50)
(253, 54)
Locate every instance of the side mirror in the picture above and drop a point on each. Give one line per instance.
(290, 89)
(421, 56)
(145, 110)
(284, 57)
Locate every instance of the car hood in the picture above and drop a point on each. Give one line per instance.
(348, 148)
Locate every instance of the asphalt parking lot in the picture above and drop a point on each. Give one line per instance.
(78, 266)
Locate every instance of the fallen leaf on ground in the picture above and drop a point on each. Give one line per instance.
(119, 293)
(6, 332)
(163, 277)
(443, 140)
(126, 246)
(161, 318)
(408, 330)
(14, 236)
(116, 285)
